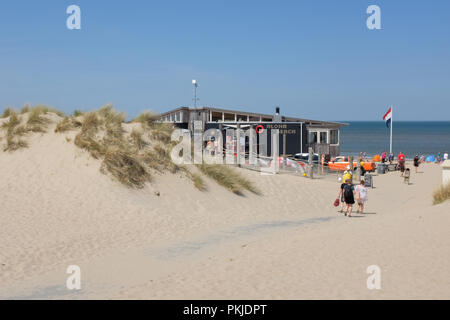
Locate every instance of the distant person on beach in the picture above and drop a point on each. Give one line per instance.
(446, 156)
(391, 158)
(362, 170)
(349, 197)
(438, 158)
(348, 174)
(361, 196)
(401, 162)
(416, 162)
(383, 157)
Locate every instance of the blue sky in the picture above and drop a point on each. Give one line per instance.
(315, 59)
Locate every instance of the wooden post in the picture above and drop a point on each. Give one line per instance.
(320, 163)
(310, 162)
(223, 143)
(358, 170)
(350, 163)
(238, 145)
(284, 149)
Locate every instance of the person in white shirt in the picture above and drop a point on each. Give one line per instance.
(361, 196)
(446, 156)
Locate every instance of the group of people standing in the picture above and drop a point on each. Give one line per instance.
(440, 158)
(387, 158)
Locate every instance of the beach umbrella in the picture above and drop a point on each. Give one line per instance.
(376, 158)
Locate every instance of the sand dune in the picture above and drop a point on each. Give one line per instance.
(289, 242)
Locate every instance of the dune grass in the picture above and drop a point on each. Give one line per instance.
(196, 179)
(161, 132)
(441, 194)
(146, 118)
(12, 122)
(25, 109)
(20, 130)
(137, 140)
(44, 109)
(7, 112)
(126, 168)
(85, 139)
(67, 124)
(158, 158)
(119, 158)
(228, 178)
(78, 113)
(129, 159)
(36, 121)
(13, 144)
(13, 132)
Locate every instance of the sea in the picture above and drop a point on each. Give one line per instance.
(410, 138)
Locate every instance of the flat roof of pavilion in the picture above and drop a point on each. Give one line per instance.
(262, 115)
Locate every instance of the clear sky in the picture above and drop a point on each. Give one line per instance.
(315, 59)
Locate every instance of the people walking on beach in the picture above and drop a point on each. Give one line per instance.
(416, 162)
(401, 162)
(349, 197)
(361, 196)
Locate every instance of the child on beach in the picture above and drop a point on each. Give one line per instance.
(361, 196)
(349, 197)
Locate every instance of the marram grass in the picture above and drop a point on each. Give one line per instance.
(441, 194)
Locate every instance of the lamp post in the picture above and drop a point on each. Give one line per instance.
(195, 83)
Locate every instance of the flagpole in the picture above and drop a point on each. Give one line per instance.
(392, 124)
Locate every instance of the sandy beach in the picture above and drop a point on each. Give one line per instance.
(172, 241)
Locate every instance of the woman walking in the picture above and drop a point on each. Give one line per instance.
(349, 198)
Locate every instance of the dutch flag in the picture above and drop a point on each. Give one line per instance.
(388, 117)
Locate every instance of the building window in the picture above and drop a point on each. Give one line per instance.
(324, 137)
(313, 137)
(334, 137)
